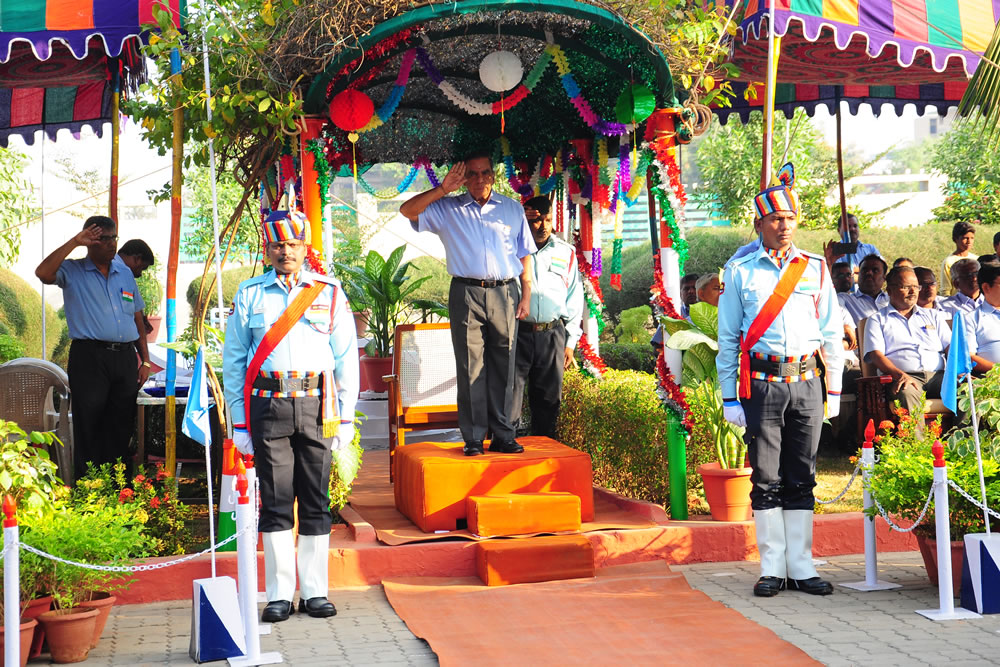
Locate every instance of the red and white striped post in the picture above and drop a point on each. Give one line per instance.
(871, 582)
(11, 584)
(946, 610)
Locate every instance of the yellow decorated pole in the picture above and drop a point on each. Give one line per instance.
(116, 93)
(170, 419)
(773, 51)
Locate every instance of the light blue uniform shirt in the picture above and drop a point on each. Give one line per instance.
(860, 305)
(99, 308)
(914, 344)
(323, 339)
(482, 242)
(811, 319)
(959, 301)
(983, 332)
(557, 293)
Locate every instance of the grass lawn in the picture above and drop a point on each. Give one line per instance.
(832, 475)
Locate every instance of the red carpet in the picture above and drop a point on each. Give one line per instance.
(640, 614)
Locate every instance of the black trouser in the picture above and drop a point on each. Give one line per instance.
(539, 364)
(483, 335)
(104, 383)
(293, 463)
(784, 422)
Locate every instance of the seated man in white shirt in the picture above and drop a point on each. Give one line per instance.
(964, 276)
(869, 298)
(908, 342)
(928, 297)
(983, 325)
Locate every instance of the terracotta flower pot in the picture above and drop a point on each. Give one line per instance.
(102, 602)
(35, 608)
(928, 550)
(28, 626)
(727, 491)
(69, 632)
(155, 321)
(361, 324)
(374, 368)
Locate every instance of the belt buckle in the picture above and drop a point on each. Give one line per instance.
(790, 368)
(114, 347)
(292, 384)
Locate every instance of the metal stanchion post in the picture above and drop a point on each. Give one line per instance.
(11, 585)
(247, 559)
(871, 582)
(946, 596)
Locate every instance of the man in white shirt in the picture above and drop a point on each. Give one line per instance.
(869, 298)
(964, 276)
(983, 326)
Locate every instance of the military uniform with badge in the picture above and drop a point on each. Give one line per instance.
(780, 360)
(291, 378)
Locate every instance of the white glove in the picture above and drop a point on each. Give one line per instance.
(733, 412)
(241, 438)
(832, 405)
(345, 434)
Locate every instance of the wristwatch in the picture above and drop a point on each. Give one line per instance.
(146, 364)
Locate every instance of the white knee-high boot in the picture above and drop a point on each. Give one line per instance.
(798, 544)
(770, 525)
(313, 561)
(279, 565)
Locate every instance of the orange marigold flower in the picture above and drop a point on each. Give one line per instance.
(125, 495)
(886, 425)
(161, 475)
(877, 438)
(139, 479)
(154, 503)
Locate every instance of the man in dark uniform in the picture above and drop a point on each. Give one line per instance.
(487, 245)
(548, 335)
(780, 331)
(302, 391)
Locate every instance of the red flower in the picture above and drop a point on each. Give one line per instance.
(166, 497)
(877, 438)
(139, 479)
(161, 475)
(886, 425)
(125, 496)
(147, 486)
(154, 503)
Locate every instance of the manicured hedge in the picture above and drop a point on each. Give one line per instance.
(21, 315)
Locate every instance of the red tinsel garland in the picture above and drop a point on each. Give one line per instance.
(659, 294)
(587, 352)
(666, 157)
(375, 53)
(584, 265)
(314, 262)
(674, 393)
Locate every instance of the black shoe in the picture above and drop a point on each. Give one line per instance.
(506, 447)
(812, 586)
(317, 607)
(474, 448)
(768, 587)
(277, 611)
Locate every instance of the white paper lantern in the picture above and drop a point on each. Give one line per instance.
(500, 71)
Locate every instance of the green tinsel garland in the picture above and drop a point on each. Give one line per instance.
(680, 244)
(323, 176)
(616, 256)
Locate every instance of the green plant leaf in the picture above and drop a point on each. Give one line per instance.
(705, 316)
(688, 338)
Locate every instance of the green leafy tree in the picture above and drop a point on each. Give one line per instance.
(199, 195)
(965, 156)
(91, 182)
(16, 201)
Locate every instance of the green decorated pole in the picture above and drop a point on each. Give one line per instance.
(677, 467)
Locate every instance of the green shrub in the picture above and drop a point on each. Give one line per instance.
(621, 423)
(436, 288)
(630, 356)
(10, 348)
(151, 290)
(637, 276)
(633, 325)
(231, 279)
(21, 315)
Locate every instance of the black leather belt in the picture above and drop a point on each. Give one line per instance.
(538, 326)
(482, 283)
(286, 385)
(114, 346)
(783, 369)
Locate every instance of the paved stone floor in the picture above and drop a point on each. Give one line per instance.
(846, 628)
(855, 628)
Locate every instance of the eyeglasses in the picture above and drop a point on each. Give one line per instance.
(107, 238)
(906, 288)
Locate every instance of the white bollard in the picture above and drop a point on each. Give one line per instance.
(246, 551)
(946, 594)
(11, 585)
(871, 582)
(262, 628)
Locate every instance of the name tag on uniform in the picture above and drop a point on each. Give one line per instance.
(929, 327)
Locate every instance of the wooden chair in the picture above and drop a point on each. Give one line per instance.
(873, 394)
(423, 385)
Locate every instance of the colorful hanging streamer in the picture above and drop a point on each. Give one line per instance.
(572, 88)
(593, 366)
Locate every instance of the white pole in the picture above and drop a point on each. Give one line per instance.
(215, 215)
(41, 201)
(871, 582)
(979, 454)
(11, 584)
(671, 269)
(946, 594)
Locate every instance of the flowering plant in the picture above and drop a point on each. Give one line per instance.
(150, 499)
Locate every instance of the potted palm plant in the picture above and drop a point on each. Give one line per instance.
(381, 290)
(727, 479)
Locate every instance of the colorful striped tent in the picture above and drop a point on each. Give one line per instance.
(61, 61)
(873, 52)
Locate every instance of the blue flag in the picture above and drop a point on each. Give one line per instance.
(959, 363)
(196, 423)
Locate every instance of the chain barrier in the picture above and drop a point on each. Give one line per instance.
(847, 488)
(6, 548)
(923, 512)
(132, 568)
(977, 503)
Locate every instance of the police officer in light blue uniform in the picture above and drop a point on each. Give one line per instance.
(781, 383)
(301, 406)
(548, 335)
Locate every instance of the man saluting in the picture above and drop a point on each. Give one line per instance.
(291, 374)
(780, 358)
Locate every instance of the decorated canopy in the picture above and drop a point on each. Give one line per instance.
(874, 52)
(60, 60)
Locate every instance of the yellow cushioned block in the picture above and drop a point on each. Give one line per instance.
(523, 513)
(502, 562)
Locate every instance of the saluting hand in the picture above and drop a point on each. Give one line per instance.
(455, 178)
(89, 236)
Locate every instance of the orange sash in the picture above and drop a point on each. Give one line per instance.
(274, 335)
(782, 292)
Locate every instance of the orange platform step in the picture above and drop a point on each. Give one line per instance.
(433, 480)
(502, 562)
(523, 513)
